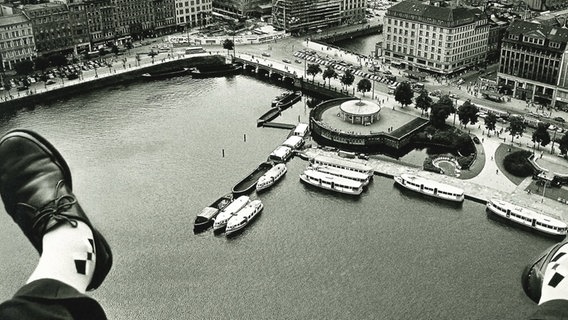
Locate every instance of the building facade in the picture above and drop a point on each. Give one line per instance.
(438, 39)
(353, 11)
(299, 16)
(16, 40)
(533, 62)
(193, 13)
(238, 8)
(51, 26)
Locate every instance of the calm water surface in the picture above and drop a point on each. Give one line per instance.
(147, 157)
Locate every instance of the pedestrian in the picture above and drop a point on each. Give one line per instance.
(497, 171)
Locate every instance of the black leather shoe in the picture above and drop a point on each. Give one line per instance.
(36, 187)
(533, 274)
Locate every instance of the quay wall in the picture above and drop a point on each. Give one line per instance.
(130, 75)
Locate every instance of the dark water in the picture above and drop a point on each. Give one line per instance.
(362, 45)
(147, 157)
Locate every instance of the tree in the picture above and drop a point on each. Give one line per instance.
(329, 73)
(364, 85)
(313, 69)
(114, 49)
(403, 93)
(516, 126)
(229, 45)
(563, 144)
(24, 67)
(423, 101)
(41, 63)
(347, 78)
(541, 135)
(58, 60)
(440, 112)
(467, 113)
(490, 121)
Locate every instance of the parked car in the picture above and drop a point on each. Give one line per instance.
(559, 119)
(286, 61)
(50, 81)
(266, 54)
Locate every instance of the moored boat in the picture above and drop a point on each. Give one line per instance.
(271, 176)
(268, 116)
(229, 211)
(527, 218)
(430, 187)
(166, 74)
(281, 154)
(331, 182)
(215, 71)
(243, 217)
(205, 218)
(343, 164)
(344, 173)
(249, 182)
(286, 99)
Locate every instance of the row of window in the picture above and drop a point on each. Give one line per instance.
(537, 41)
(413, 26)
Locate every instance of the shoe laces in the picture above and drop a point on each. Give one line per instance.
(53, 211)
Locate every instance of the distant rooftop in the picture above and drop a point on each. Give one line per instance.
(13, 19)
(449, 14)
(539, 30)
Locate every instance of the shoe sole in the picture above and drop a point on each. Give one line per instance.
(102, 247)
(533, 274)
(45, 146)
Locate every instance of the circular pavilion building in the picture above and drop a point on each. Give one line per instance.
(359, 112)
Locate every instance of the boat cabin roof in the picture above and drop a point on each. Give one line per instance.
(432, 183)
(281, 151)
(343, 162)
(293, 141)
(331, 178)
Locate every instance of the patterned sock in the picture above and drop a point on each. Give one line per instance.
(555, 283)
(68, 256)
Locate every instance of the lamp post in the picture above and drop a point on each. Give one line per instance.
(455, 110)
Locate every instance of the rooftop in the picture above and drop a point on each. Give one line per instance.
(436, 13)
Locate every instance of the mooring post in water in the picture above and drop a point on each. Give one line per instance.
(223, 152)
(245, 137)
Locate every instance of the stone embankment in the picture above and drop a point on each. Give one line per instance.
(72, 88)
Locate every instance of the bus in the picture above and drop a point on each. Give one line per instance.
(194, 50)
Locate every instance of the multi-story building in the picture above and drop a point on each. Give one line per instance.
(534, 63)
(16, 40)
(164, 16)
(353, 10)
(193, 13)
(238, 8)
(541, 5)
(51, 26)
(79, 28)
(298, 16)
(435, 38)
(101, 21)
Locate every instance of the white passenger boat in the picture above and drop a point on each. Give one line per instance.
(344, 173)
(527, 217)
(229, 211)
(243, 217)
(271, 176)
(430, 187)
(331, 182)
(343, 164)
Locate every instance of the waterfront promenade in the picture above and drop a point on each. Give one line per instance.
(489, 182)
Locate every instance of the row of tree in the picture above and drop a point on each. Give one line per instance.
(440, 110)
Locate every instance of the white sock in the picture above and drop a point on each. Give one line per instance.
(68, 256)
(555, 283)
